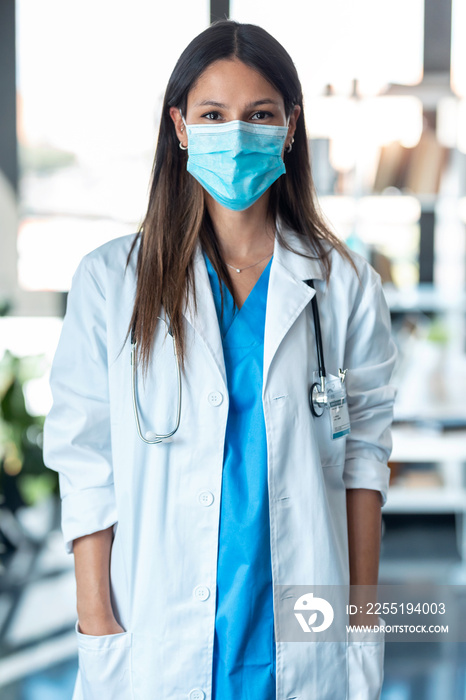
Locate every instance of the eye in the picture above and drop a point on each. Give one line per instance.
(207, 115)
(267, 114)
(213, 116)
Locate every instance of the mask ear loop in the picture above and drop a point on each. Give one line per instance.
(290, 146)
(179, 110)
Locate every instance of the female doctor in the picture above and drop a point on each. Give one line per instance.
(182, 544)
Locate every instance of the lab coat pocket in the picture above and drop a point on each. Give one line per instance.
(365, 664)
(105, 665)
(332, 452)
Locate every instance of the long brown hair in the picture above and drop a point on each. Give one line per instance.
(176, 216)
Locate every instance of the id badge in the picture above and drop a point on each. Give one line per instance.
(337, 406)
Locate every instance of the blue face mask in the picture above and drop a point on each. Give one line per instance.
(236, 162)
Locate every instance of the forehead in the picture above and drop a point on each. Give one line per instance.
(230, 80)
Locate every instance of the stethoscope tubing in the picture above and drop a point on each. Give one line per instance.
(317, 387)
(156, 438)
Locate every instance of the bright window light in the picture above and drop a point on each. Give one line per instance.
(458, 48)
(91, 78)
(335, 41)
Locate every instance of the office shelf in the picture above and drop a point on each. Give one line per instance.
(424, 297)
(417, 445)
(446, 453)
(428, 500)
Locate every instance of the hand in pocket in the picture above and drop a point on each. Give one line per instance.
(98, 628)
(104, 662)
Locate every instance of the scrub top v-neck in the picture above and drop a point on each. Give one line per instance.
(244, 644)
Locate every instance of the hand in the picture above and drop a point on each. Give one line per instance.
(98, 628)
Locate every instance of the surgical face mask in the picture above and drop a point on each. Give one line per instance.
(236, 162)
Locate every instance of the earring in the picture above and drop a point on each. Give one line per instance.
(290, 146)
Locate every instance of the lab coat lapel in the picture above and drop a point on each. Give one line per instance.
(288, 293)
(205, 321)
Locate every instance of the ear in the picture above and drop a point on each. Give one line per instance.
(292, 125)
(179, 126)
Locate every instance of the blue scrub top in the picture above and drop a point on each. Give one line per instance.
(244, 644)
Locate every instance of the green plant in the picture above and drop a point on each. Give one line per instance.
(21, 433)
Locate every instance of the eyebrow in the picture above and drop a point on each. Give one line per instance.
(212, 103)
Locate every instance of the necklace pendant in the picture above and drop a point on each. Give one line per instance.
(238, 270)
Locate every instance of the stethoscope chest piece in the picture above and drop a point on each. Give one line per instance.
(318, 399)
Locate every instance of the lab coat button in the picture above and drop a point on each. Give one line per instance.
(196, 694)
(215, 398)
(201, 593)
(206, 498)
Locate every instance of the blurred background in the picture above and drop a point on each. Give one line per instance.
(81, 88)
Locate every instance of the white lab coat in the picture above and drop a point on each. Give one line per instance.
(164, 499)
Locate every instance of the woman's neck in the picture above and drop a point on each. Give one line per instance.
(243, 236)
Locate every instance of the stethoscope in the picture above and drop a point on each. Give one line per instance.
(318, 397)
(152, 438)
(318, 394)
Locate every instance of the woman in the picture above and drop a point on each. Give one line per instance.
(183, 546)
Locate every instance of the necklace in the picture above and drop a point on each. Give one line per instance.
(237, 269)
